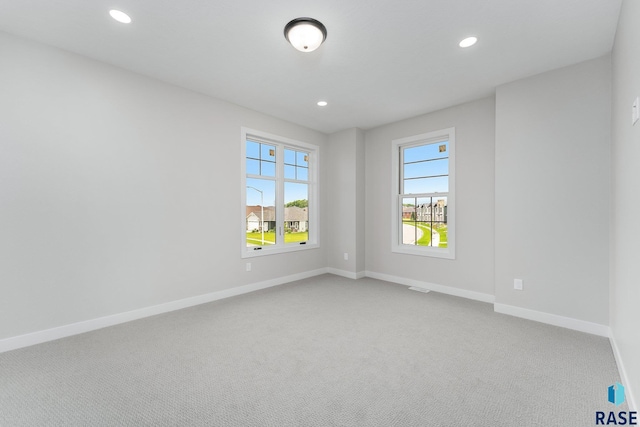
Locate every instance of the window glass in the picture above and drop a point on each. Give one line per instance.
(423, 168)
(280, 204)
(296, 212)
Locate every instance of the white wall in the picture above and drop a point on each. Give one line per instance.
(552, 191)
(472, 270)
(625, 230)
(117, 191)
(345, 207)
(360, 196)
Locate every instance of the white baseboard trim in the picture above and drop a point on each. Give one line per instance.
(478, 296)
(39, 337)
(347, 274)
(553, 319)
(624, 378)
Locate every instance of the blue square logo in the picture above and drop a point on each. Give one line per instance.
(616, 394)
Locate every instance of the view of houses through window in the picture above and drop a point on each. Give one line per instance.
(424, 221)
(424, 193)
(276, 174)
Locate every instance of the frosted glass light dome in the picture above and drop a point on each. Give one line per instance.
(120, 16)
(469, 41)
(305, 34)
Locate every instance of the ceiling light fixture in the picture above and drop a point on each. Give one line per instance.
(469, 41)
(120, 16)
(305, 34)
(322, 103)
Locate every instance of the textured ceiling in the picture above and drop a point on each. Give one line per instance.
(382, 61)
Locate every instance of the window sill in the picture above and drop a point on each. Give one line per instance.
(277, 250)
(426, 251)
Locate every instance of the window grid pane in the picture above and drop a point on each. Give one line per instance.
(289, 172)
(426, 185)
(431, 151)
(425, 168)
(296, 165)
(261, 159)
(260, 215)
(296, 212)
(424, 221)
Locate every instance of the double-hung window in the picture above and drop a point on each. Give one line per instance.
(280, 194)
(423, 200)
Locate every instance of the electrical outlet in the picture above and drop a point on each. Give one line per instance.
(346, 256)
(248, 266)
(517, 284)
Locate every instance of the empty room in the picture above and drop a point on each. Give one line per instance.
(363, 213)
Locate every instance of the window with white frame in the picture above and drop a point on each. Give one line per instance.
(280, 195)
(423, 199)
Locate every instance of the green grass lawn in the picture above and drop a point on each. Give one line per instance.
(296, 237)
(443, 236)
(425, 240)
(256, 238)
(270, 238)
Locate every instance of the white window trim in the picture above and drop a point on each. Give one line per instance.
(314, 193)
(396, 203)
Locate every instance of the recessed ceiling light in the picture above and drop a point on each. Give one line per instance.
(469, 41)
(322, 103)
(120, 16)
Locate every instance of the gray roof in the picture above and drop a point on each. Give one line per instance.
(269, 212)
(293, 213)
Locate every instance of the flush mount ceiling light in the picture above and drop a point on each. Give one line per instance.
(120, 16)
(322, 103)
(305, 34)
(469, 41)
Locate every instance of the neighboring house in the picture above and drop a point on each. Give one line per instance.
(436, 212)
(253, 218)
(408, 212)
(295, 219)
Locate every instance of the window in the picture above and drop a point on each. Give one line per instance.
(424, 194)
(280, 195)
